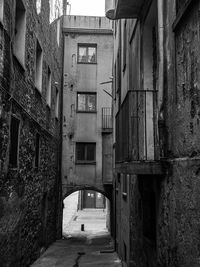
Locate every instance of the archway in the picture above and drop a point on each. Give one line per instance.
(85, 212)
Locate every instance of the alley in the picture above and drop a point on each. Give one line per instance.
(91, 247)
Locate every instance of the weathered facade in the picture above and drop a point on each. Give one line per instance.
(156, 110)
(30, 97)
(87, 125)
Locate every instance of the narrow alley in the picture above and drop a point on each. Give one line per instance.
(91, 247)
(99, 133)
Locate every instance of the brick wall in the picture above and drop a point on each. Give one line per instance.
(30, 198)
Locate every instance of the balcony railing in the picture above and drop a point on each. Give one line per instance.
(107, 119)
(136, 127)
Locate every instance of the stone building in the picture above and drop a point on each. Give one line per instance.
(30, 119)
(87, 124)
(157, 142)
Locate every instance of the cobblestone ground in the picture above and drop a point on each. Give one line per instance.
(91, 247)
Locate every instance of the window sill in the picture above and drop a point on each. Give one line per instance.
(85, 162)
(81, 111)
(90, 63)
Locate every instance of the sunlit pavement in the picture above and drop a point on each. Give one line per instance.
(91, 247)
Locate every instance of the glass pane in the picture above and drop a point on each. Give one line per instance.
(91, 102)
(81, 102)
(92, 54)
(82, 54)
(90, 151)
(80, 151)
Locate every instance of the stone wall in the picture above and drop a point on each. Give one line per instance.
(30, 197)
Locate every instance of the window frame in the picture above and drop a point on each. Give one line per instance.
(19, 44)
(14, 166)
(87, 45)
(86, 111)
(85, 161)
(38, 66)
(49, 85)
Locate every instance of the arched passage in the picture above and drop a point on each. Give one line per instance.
(85, 211)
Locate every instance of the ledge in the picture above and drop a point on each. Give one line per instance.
(85, 162)
(88, 31)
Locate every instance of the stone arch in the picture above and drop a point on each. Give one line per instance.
(70, 190)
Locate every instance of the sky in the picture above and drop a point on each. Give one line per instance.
(87, 7)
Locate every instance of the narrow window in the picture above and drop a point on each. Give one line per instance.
(14, 142)
(86, 102)
(38, 67)
(48, 95)
(87, 53)
(20, 32)
(85, 152)
(37, 150)
(1, 10)
(57, 104)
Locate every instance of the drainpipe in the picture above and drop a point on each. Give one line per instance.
(161, 130)
(161, 59)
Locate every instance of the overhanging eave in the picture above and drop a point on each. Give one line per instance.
(123, 9)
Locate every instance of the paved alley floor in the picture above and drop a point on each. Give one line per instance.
(92, 247)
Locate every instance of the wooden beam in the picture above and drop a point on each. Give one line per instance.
(142, 167)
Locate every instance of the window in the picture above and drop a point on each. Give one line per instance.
(38, 6)
(87, 53)
(85, 152)
(38, 67)
(1, 10)
(48, 95)
(14, 142)
(86, 102)
(37, 150)
(20, 32)
(57, 104)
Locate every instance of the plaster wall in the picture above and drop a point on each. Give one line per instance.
(84, 127)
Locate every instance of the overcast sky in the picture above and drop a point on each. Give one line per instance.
(87, 7)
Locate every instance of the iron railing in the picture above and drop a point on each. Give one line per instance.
(107, 119)
(136, 127)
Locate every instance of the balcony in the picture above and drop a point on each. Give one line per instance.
(119, 9)
(107, 120)
(136, 127)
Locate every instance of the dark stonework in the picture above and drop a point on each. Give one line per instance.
(30, 198)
